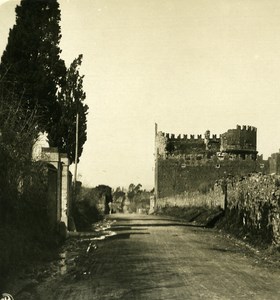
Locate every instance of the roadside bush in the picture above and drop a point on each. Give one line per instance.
(24, 234)
(87, 208)
(85, 215)
(254, 208)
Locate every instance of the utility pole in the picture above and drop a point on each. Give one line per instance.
(156, 163)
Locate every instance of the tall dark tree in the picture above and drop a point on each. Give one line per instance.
(71, 98)
(31, 65)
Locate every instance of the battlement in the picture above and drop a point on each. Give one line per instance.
(242, 140)
(239, 141)
(186, 137)
(246, 128)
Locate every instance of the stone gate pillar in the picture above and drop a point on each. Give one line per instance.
(60, 162)
(65, 191)
(51, 156)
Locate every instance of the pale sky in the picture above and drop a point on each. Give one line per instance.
(189, 65)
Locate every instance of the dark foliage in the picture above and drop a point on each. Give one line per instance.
(85, 215)
(87, 209)
(106, 191)
(71, 99)
(32, 76)
(31, 65)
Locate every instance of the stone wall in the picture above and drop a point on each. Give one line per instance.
(274, 163)
(176, 176)
(254, 205)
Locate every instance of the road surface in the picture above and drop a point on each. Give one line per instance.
(151, 257)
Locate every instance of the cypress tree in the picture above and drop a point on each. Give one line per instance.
(71, 98)
(31, 65)
(32, 69)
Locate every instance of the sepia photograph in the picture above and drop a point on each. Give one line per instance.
(139, 149)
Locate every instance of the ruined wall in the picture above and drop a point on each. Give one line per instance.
(239, 141)
(187, 145)
(254, 206)
(274, 163)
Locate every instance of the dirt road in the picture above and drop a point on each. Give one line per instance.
(149, 257)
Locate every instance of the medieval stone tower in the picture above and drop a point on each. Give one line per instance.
(186, 163)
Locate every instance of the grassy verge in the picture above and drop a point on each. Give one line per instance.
(198, 215)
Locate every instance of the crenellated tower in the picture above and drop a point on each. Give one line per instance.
(236, 143)
(240, 142)
(189, 162)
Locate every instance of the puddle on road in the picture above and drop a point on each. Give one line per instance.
(103, 236)
(128, 228)
(104, 225)
(68, 257)
(226, 250)
(72, 258)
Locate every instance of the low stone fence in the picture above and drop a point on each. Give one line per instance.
(212, 199)
(254, 204)
(252, 207)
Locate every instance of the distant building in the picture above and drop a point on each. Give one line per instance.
(188, 163)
